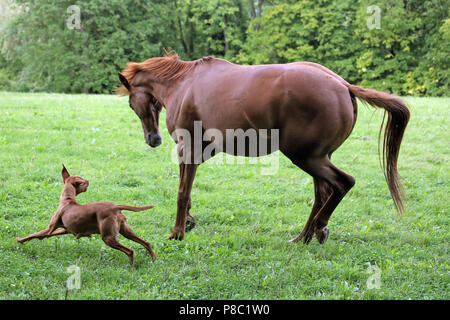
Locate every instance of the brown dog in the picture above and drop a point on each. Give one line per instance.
(104, 218)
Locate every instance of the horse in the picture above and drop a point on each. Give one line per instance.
(313, 109)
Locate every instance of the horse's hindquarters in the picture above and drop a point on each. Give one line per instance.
(317, 122)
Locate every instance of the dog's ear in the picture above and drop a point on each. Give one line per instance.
(65, 174)
(124, 81)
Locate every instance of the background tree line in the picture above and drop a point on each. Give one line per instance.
(408, 54)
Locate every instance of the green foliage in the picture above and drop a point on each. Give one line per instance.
(407, 54)
(305, 31)
(392, 57)
(337, 35)
(59, 59)
(432, 76)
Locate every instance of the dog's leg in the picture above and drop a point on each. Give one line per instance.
(37, 235)
(58, 232)
(114, 243)
(126, 231)
(47, 232)
(109, 228)
(42, 234)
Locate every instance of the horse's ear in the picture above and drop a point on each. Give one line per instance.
(124, 81)
(65, 174)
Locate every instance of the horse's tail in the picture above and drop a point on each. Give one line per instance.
(135, 209)
(398, 117)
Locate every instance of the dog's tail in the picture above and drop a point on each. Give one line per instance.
(135, 209)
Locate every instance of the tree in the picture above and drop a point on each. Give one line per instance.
(57, 58)
(214, 27)
(407, 53)
(304, 31)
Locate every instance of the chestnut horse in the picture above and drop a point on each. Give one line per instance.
(313, 109)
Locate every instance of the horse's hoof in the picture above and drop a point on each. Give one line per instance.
(322, 236)
(176, 236)
(297, 238)
(307, 238)
(306, 235)
(190, 223)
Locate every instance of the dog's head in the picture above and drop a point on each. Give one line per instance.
(78, 183)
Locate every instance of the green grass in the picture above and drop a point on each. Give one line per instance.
(239, 248)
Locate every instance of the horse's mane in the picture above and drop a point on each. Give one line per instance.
(169, 67)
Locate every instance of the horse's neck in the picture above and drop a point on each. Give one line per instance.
(163, 91)
(166, 90)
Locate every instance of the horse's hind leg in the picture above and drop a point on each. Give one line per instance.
(321, 194)
(338, 182)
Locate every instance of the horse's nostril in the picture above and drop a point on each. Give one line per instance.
(154, 140)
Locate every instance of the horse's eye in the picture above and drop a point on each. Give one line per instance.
(131, 106)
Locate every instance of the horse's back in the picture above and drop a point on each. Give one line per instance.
(310, 104)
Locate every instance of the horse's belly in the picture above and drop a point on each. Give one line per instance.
(239, 142)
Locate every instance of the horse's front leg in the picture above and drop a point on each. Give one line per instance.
(190, 220)
(187, 175)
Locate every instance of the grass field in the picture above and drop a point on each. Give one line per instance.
(239, 248)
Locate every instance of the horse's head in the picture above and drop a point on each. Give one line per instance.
(147, 108)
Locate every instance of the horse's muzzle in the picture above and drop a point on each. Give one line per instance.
(154, 140)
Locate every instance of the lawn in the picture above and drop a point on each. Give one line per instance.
(239, 248)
